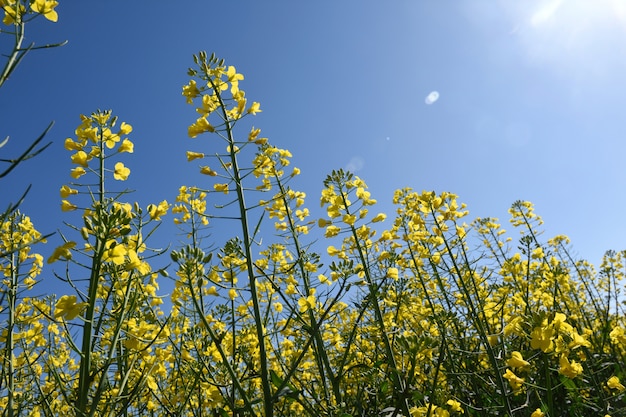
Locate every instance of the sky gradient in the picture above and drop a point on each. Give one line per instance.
(531, 100)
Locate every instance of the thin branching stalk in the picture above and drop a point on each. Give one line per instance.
(399, 385)
(247, 247)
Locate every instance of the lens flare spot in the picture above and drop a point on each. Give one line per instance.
(432, 97)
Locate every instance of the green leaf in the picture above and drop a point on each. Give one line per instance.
(276, 380)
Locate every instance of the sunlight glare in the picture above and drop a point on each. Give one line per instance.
(574, 37)
(545, 13)
(432, 97)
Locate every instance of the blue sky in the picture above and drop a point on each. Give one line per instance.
(531, 99)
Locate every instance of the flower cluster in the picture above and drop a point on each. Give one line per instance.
(216, 81)
(16, 10)
(94, 140)
(431, 316)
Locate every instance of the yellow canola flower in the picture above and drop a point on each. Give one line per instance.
(333, 212)
(514, 381)
(308, 302)
(70, 145)
(614, 383)
(302, 214)
(254, 133)
(62, 251)
(379, 217)
(233, 78)
(77, 172)
(235, 112)
(455, 405)
(207, 171)
(221, 187)
(517, 361)
(190, 91)
(209, 104)
(67, 191)
(109, 138)
(121, 173)
(81, 158)
(537, 413)
(569, 369)
(323, 223)
(537, 253)
(436, 257)
(126, 146)
(332, 230)
(200, 126)
(124, 207)
(393, 273)
(429, 410)
(541, 338)
(115, 254)
(235, 149)
(67, 206)
(87, 133)
(95, 152)
(514, 327)
(254, 108)
(333, 251)
(349, 219)
(134, 262)
(46, 8)
(156, 211)
(618, 336)
(101, 117)
(67, 307)
(12, 12)
(194, 155)
(125, 129)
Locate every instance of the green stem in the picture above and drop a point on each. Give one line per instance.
(550, 398)
(85, 377)
(220, 349)
(373, 290)
(84, 381)
(8, 357)
(101, 169)
(475, 314)
(247, 243)
(320, 352)
(17, 53)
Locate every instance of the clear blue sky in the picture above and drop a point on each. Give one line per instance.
(531, 99)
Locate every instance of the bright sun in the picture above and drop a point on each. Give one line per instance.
(578, 37)
(579, 13)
